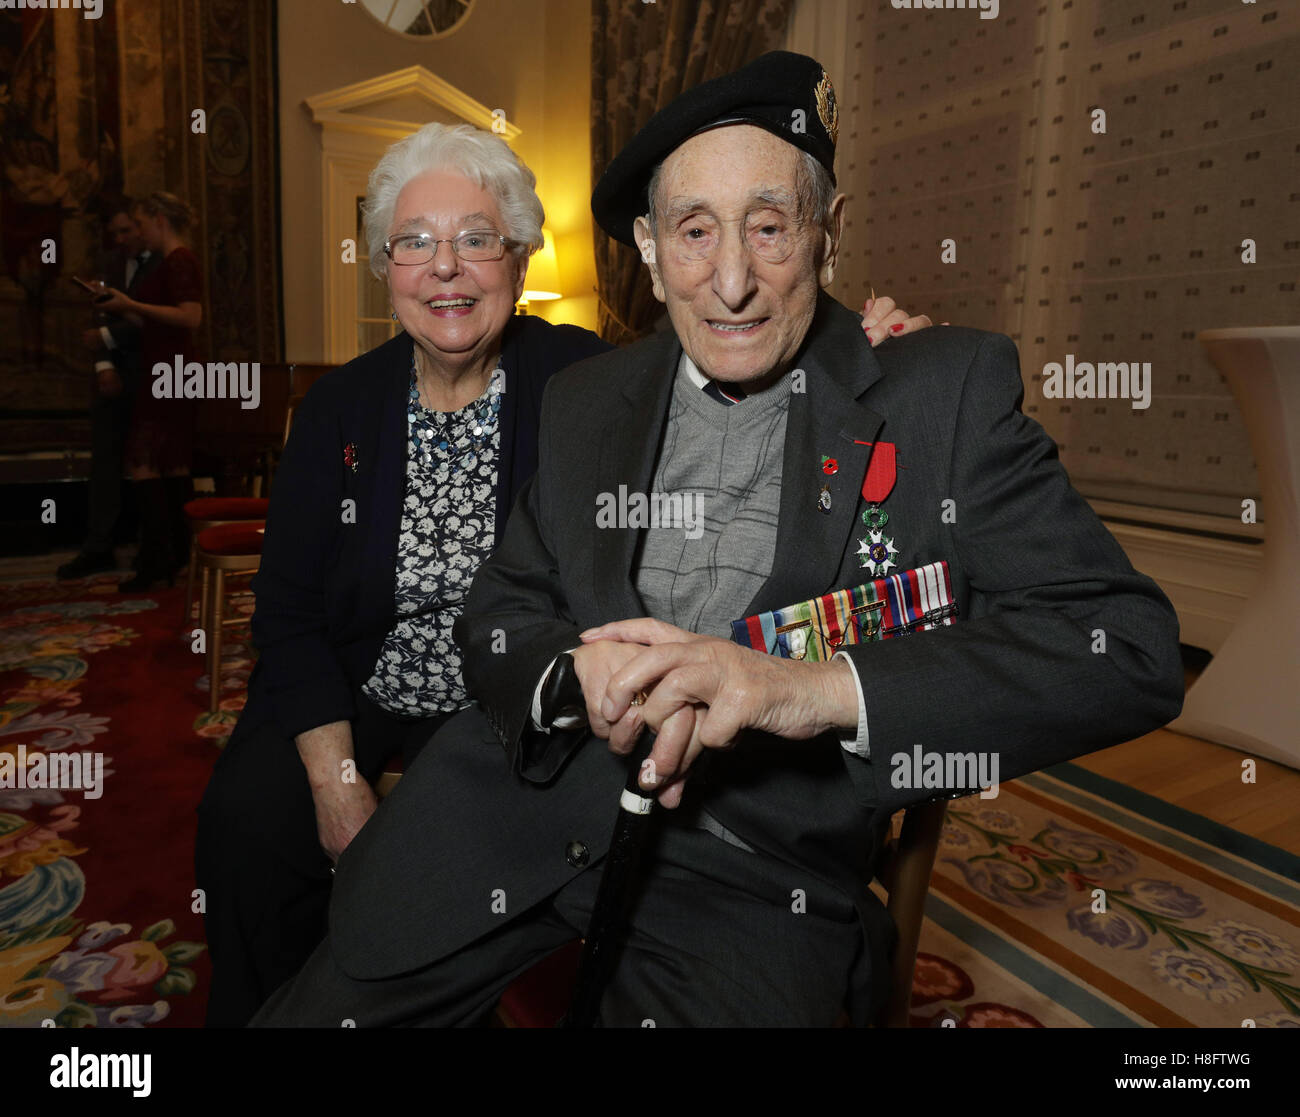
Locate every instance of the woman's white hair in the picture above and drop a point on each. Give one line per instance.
(481, 157)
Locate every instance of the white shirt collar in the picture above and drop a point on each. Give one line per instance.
(693, 374)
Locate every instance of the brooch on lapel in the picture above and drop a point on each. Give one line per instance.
(877, 550)
(830, 467)
(350, 456)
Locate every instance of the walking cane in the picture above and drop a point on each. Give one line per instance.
(561, 695)
(614, 896)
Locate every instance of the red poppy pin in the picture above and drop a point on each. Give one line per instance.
(350, 456)
(830, 466)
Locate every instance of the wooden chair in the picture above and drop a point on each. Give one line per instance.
(540, 997)
(211, 511)
(221, 550)
(907, 863)
(386, 782)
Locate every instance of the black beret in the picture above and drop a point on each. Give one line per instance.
(789, 95)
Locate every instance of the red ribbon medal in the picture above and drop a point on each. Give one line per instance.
(877, 550)
(882, 472)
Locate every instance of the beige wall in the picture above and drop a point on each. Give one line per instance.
(1113, 246)
(532, 60)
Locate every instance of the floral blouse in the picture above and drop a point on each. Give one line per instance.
(447, 528)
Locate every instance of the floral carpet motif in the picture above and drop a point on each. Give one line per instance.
(1071, 908)
(75, 882)
(1069, 902)
(237, 659)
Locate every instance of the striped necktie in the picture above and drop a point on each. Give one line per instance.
(731, 395)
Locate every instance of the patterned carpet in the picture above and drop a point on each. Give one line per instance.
(100, 925)
(1200, 925)
(99, 922)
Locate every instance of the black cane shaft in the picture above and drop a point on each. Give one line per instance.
(614, 895)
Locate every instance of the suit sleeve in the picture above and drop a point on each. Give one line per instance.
(125, 333)
(516, 622)
(1023, 675)
(304, 678)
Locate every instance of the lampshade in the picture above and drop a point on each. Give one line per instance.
(543, 280)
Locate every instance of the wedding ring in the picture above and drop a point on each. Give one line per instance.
(638, 699)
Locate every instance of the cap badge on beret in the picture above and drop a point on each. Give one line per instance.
(827, 110)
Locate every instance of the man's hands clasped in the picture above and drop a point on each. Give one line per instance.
(700, 692)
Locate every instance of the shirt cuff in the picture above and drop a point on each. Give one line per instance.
(860, 743)
(109, 343)
(104, 366)
(565, 721)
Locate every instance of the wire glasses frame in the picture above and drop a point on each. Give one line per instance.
(474, 246)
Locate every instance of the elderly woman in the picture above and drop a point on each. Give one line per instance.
(394, 487)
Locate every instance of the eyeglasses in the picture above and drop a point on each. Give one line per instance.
(769, 237)
(474, 246)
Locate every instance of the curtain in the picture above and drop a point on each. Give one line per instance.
(642, 56)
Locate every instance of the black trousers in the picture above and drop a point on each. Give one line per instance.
(258, 859)
(716, 940)
(110, 419)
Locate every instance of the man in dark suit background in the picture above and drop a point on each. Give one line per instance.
(767, 410)
(115, 342)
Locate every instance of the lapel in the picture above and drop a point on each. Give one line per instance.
(140, 272)
(826, 419)
(511, 361)
(385, 435)
(628, 452)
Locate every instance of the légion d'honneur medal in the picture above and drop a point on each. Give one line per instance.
(877, 550)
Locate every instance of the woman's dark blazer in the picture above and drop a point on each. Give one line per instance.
(325, 586)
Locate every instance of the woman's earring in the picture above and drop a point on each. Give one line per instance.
(394, 314)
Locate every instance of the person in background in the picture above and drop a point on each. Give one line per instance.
(394, 487)
(168, 305)
(115, 342)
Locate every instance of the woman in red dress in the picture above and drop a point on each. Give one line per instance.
(169, 303)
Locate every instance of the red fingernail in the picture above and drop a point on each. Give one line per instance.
(895, 329)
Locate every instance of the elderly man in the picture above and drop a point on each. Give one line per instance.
(803, 462)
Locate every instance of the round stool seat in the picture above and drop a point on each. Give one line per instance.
(243, 538)
(227, 508)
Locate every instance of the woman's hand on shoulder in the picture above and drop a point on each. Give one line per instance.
(883, 318)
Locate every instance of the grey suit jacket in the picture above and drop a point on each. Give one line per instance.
(1035, 574)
